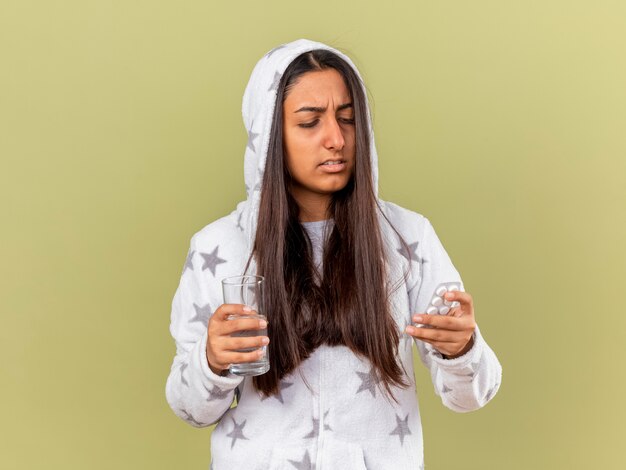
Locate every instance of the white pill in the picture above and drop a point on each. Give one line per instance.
(448, 303)
(455, 304)
(443, 310)
(442, 290)
(453, 287)
(437, 301)
(432, 310)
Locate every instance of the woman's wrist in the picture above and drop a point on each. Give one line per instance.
(467, 347)
(215, 370)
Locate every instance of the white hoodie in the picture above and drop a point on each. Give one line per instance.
(343, 421)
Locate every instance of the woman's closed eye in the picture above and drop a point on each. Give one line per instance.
(314, 123)
(309, 124)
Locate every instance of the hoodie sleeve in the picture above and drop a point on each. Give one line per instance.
(195, 394)
(468, 382)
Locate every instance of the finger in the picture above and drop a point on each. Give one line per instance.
(232, 309)
(463, 297)
(445, 322)
(228, 358)
(232, 343)
(231, 326)
(432, 334)
(436, 344)
(456, 312)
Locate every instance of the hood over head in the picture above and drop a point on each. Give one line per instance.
(259, 101)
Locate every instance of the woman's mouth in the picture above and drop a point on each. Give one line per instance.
(333, 166)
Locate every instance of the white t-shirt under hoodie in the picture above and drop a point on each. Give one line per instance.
(318, 231)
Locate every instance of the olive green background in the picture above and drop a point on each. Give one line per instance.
(121, 136)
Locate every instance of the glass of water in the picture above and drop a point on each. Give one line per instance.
(248, 291)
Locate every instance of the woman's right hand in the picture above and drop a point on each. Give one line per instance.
(221, 346)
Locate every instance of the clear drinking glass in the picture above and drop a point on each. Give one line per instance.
(247, 290)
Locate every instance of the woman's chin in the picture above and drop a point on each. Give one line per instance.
(322, 186)
(333, 182)
(333, 187)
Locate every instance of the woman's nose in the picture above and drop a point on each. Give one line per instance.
(334, 135)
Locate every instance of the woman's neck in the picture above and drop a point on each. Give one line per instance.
(313, 207)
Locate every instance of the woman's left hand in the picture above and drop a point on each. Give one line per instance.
(451, 334)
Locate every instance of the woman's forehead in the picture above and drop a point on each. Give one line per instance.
(318, 89)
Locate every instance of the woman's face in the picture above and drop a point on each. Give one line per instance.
(318, 127)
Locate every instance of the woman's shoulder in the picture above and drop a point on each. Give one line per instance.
(403, 219)
(225, 232)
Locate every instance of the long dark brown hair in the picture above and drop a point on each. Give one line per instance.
(348, 304)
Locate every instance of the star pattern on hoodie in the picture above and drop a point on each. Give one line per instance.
(188, 261)
(413, 251)
(401, 429)
(202, 314)
(251, 137)
(212, 260)
(369, 381)
(445, 389)
(326, 426)
(237, 432)
(279, 396)
(217, 393)
(269, 54)
(491, 393)
(259, 178)
(190, 418)
(315, 431)
(275, 82)
(183, 366)
(316, 427)
(239, 226)
(304, 464)
(474, 369)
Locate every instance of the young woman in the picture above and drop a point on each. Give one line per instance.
(348, 277)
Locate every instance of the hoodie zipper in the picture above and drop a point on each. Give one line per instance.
(320, 422)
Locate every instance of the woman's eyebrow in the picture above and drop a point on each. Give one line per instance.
(321, 110)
